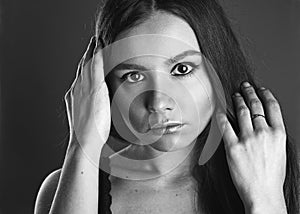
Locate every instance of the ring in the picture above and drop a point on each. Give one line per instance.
(256, 115)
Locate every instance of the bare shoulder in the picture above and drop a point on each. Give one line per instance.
(46, 193)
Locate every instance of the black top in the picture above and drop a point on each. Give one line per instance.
(104, 190)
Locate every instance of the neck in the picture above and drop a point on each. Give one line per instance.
(147, 166)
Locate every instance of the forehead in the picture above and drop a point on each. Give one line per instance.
(167, 24)
(154, 45)
(162, 35)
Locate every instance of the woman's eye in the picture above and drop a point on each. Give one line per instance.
(132, 76)
(183, 69)
(180, 70)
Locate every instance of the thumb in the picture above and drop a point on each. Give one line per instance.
(229, 136)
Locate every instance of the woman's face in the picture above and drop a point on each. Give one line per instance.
(180, 90)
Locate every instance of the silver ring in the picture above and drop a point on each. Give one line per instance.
(256, 115)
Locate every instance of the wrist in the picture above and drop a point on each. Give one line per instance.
(272, 203)
(82, 151)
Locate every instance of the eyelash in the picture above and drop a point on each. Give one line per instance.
(189, 73)
(124, 77)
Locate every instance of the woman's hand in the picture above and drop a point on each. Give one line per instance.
(88, 109)
(257, 155)
(88, 104)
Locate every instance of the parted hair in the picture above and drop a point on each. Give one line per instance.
(219, 44)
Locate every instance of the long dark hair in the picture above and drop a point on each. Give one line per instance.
(216, 192)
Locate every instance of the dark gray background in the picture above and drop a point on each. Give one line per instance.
(41, 44)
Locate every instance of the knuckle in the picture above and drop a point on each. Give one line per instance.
(66, 98)
(67, 95)
(272, 103)
(266, 90)
(234, 150)
(248, 144)
(261, 132)
(249, 90)
(242, 109)
(254, 102)
(280, 135)
(279, 132)
(244, 137)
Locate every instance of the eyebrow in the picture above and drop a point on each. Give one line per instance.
(129, 66)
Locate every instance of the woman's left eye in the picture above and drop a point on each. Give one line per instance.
(183, 69)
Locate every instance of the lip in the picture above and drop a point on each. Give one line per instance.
(166, 125)
(167, 129)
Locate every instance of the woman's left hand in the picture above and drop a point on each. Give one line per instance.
(257, 155)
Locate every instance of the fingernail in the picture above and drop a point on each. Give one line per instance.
(236, 94)
(262, 88)
(246, 84)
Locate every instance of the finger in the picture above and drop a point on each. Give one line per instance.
(227, 131)
(76, 85)
(87, 57)
(89, 52)
(255, 106)
(80, 69)
(71, 91)
(97, 73)
(272, 109)
(68, 104)
(78, 78)
(243, 115)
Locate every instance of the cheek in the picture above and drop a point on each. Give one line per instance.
(138, 115)
(205, 110)
(199, 105)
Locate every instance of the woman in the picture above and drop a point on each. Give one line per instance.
(254, 169)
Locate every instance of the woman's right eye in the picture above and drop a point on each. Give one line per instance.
(132, 76)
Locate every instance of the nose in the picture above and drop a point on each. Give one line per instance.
(159, 102)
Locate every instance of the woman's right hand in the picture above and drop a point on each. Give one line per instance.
(88, 104)
(75, 189)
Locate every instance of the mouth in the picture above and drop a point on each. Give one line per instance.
(165, 125)
(166, 128)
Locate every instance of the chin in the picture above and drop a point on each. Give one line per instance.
(170, 145)
(163, 147)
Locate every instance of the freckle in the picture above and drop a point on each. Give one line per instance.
(176, 194)
(81, 172)
(136, 190)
